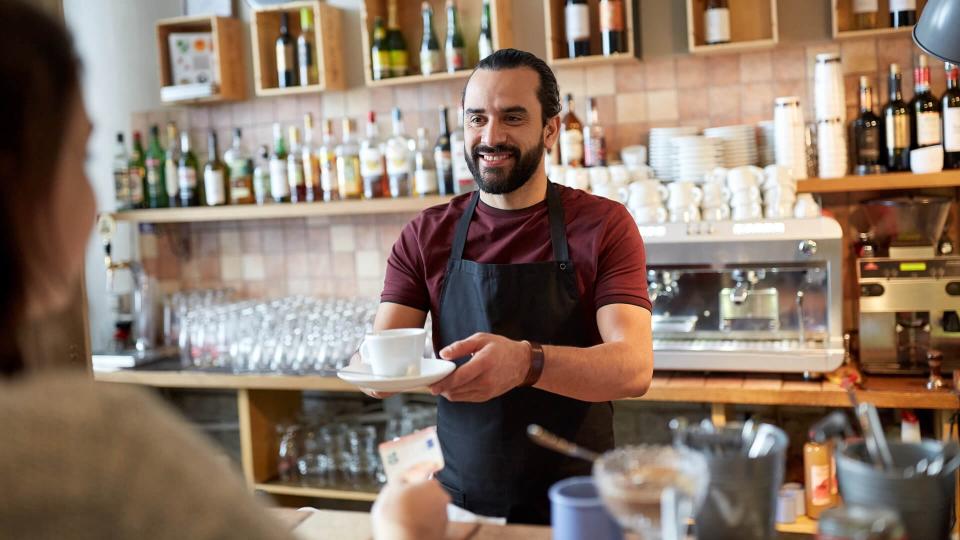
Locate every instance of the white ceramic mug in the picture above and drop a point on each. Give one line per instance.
(781, 210)
(640, 172)
(744, 177)
(599, 176)
(394, 353)
(714, 194)
(684, 214)
(610, 191)
(774, 175)
(806, 207)
(645, 193)
(718, 174)
(682, 194)
(619, 175)
(578, 178)
(649, 214)
(633, 156)
(746, 212)
(780, 194)
(928, 159)
(715, 213)
(745, 196)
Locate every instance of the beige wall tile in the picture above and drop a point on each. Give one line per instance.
(660, 73)
(230, 242)
(571, 81)
(334, 104)
(344, 265)
(148, 246)
(370, 264)
(629, 77)
(756, 101)
(298, 286)
(296, 266)
(601, 80)
(342, 238)
(723, 69)
(632, 107)
(662, 105)
(319, 264)
(253, 268)
(358, 103)
(318, 239)
(369, 287)
(231, 267)
(896, 50)
(691, 72)
(789, 63)
(724, 101)
(264, 111)
(692, 104)
(272, 239)
(859, 56)
(756, 66)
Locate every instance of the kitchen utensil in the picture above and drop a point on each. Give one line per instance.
(548, 440)
(873, 435)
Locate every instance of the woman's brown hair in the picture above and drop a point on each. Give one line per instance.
(39, 84)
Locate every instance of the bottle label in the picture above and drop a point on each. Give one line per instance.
(285, 58)
(717, 25)
(928, 128)
(173, 180)
(820, 485)
(577, 22)
(153, 174)
(571, 146)
(328, 173)
(595, 151)
(454, 58)
(398, 62)
(429, 62)
(187, 177)
(611, 16)
(458, 153)
(951, 129)
(868, 147)
(279, 188)
(484, 47)
(898, 131)
(311, 169)
(261, 184)
(398, 160)
(865, 6)
(425, 181)
(305, 57)
(444, 161)
(371, 162)
(294, 173)
(348, 176)
(902, 5)
(213, 187)
(136, 185)
(381, 64)
(121, 183)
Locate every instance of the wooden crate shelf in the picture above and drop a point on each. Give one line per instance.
(328, 41)
(408, 15)
(753, 25)
(842, 20)
(227, 51)
(557, 52)
(879, 182)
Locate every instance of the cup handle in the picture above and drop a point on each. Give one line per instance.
(363, 353)
(661, 214)
(664, 192)
(697, 196)
(725, 193)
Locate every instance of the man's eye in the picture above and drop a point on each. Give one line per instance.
(514, 119)
(476, 120)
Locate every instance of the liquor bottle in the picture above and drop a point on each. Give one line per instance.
(950, 103)
(425, 174)
(819, 475)
(261, 176)
(215, 184)
(286, 54)
(399, 59)
(379, 53)
(903, 13)
(298, 187)
(571, 137)
(716, 22)
(372, 168)
(121, 174)
(454, 47)
(867, 134)
(311, 161)
(399, 158)
(865, 14)
(327, 155)
(279, 187)
(137, 172)
(924, 108)
(442, 158)
(613, 37)
(240, 168)
(349, 181)
(463, 181)
(896, 120)
(485, 42)
(306, 49)
(576, 15)
(189, 190)
(156, 184)
(171, 162)
(429, 46)
(594, 139)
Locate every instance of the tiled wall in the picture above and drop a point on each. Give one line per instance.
(346, 256)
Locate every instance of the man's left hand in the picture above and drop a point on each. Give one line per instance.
(498, 365)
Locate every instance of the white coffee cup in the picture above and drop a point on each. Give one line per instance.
(682, 194)
(806, 207)
(718, 174)
(610, 191)
(634, 155)
(746, 212)
(578, 178)
(745, 197)
(619, 175)
(645, 193)
(781, 210)
(745, 177)
(599, 176)
(685, 214)
(928, 159)
(714, 194)
(394, 353)
(780, 194)
(715, 213)
(640, 172)
(777, 175)
(649, 214)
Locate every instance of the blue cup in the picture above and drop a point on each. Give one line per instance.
(577, 513)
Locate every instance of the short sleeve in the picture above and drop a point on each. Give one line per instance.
(621, 264)
(405, 280)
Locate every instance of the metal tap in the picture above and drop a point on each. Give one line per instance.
(745, 279)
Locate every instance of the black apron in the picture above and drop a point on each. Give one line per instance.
(492, 468)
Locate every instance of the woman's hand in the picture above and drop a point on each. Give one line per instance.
(411, 511)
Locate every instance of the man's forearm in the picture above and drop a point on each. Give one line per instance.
(604, 372)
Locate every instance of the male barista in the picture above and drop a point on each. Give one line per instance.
(537, 292)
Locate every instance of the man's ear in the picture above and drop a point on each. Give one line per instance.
(551, 131)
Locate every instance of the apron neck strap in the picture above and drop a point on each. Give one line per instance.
(558, 233)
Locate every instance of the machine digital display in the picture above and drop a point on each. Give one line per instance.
(913, 267)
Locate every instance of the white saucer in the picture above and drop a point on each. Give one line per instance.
(431, 371)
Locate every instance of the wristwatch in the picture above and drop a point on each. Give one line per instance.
(536, 364)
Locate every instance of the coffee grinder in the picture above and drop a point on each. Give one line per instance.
(909, 296)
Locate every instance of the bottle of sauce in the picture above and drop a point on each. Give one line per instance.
(819, 472)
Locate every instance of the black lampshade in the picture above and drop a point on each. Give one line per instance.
(938, 30)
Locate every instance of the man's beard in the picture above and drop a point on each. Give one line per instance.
(501, 180)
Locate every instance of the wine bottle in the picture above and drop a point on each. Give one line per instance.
(306, 49)
(425, 174)
(442, 156)
(613, 37)
(716, 22)
(866, 131)
(379, 53)
(399, 59)
(187, 173)
(286, 54)
(571, 137)
(865, 14)
(372, 167)
(576, 14)
(896, 118)
(261, 176)
(350, 183)
(298, 186)
(429, 46)
(400, 158)
(240, 166)
(137, 172)
(462, 177)
(903, 13)
(311, 162)
(171, 162)
(279, 187)
(594, 139)
(215, 185)
(925, 122)
(950, 103)
(156, 184)
(485, 42)
(327, 154)
(454, 46)
(121, 174)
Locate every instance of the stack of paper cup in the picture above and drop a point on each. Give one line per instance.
(831, 113)
(789, 143)
(831, 148)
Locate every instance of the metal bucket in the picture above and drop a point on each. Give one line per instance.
(925, 503)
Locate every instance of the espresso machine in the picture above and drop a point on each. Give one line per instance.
(909, 294)
(740, 296)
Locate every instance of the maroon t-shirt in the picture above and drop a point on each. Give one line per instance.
(604, 242)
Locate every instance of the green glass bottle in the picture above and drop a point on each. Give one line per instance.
(379, 54)
(399, 60)
(138, 172)
(189, 188)
(216, 185)
(156, 174)
(429, 45)
(454, 48)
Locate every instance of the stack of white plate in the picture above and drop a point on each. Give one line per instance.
(695, 156)
(661, 149)
(765, 143)
(739, 144)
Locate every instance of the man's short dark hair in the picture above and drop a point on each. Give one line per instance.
(547, 92)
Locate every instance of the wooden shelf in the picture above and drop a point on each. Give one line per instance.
(249, 212)
(297, 490)
(803, 525)
(753, 25)
(876, 182)
(227, 52)
(842, 20)
(557, 52)
(408, 15)
(328, 47)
